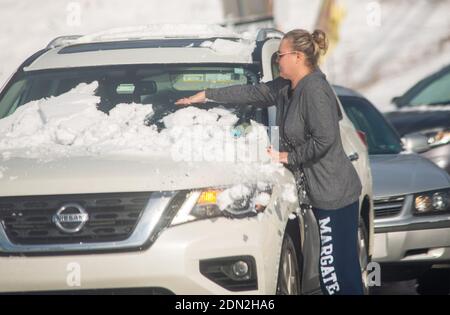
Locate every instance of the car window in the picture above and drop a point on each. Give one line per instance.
(159, 85)
(275, 67)
(381, 138)
(436, 93)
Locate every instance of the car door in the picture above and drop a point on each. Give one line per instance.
(354, 147)
(311, 245)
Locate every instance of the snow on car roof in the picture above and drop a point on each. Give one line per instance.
(219, 51)
(133, 46)
(153, 31)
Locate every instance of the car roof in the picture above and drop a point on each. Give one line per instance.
(54, 59)
(151, 44)
(344, 91)
(404, 99)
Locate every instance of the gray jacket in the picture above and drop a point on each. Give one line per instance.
(308, 118)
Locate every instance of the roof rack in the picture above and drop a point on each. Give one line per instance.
(62, 40)
(266, 33)
(159, 31)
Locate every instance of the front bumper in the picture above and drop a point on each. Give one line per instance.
(171, 263)
(417, 246)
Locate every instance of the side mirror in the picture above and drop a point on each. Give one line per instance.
(395, 101)
(416, 142)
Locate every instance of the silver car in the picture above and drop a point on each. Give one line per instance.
(411, 196)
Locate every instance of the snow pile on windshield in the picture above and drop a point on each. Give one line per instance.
(197, 116)
(160, 31)
(72, 125)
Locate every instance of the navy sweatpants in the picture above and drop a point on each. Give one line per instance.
(339, 267)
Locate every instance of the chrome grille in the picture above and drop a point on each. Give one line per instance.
(112, 217)
(388, 207)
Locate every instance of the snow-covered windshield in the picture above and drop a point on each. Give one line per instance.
(159, 85)
(129, 109)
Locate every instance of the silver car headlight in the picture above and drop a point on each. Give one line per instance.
(237, 201)
(432, 202)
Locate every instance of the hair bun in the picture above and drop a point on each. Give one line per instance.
(320, 38)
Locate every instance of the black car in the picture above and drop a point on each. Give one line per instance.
(425, 109)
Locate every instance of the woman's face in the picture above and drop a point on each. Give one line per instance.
(288, 60)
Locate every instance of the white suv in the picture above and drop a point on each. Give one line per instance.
(95, 194)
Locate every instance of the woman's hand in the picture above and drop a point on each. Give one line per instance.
(200, 97)
(279, 157)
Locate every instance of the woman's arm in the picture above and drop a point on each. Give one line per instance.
(322, 120)
(262, 94)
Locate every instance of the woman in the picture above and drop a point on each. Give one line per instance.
(308, 118)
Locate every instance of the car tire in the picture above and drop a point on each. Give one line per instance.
(363, 250)
(289, 275)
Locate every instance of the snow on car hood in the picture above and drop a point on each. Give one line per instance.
(395, 175)
(65, 144)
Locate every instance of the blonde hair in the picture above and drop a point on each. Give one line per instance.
(313, 45)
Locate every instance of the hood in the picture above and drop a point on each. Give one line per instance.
(402, 174)
(427, 117)
(78, 175)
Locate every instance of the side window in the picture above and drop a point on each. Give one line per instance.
(10, 100)
(435, 93)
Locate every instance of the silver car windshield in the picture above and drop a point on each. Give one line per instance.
(381, 137)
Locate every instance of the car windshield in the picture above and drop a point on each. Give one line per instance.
(159, 85)
(381, 138)
(435, 93)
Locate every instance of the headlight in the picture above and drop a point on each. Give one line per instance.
(432, 202)
(237, 202)
(438, 138)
